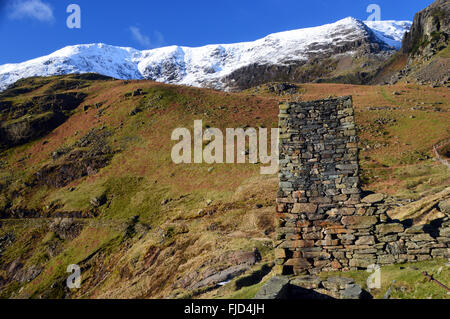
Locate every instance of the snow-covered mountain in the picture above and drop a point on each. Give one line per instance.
(218, 66)
(390, 31)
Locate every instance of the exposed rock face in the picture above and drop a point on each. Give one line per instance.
(426, 44)
(433, 19)
(222, 276)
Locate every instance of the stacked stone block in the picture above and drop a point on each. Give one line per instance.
(322, 222)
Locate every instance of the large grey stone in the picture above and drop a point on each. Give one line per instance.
(276, 288)
(222, 276)
(353, 291)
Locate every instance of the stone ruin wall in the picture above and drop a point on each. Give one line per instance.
(323, 224)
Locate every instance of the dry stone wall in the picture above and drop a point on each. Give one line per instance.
(323, 224)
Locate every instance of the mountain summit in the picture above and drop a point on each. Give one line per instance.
(332, 52)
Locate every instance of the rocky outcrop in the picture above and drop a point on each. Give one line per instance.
(429, 30)
(86, 157)
(65, 228)
(28, 128)
(34, 118)
(426, 46)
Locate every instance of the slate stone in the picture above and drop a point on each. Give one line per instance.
(373, 198)
(276, 288)
(391, 228)
(337, 283)
(308, 282)
(353, 291)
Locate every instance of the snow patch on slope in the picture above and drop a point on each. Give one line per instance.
(390, 31)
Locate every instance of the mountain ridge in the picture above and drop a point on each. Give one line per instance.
(217, 65)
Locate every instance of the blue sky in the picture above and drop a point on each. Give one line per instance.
(32, 28)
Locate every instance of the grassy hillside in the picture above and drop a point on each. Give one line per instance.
(145, 227)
